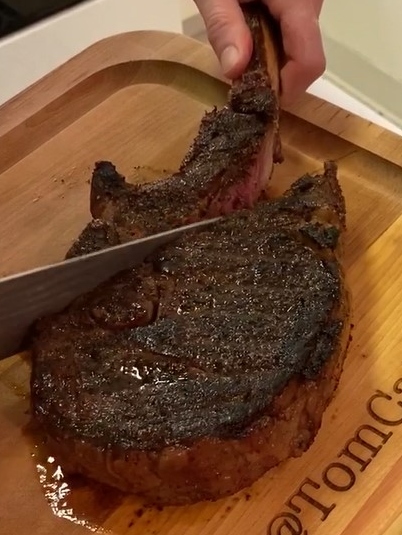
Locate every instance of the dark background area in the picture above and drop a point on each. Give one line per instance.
(18, 14)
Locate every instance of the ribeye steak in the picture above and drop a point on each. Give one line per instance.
(189, 377)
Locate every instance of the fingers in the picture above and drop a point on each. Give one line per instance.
(317, 4)
(232, 42)
(302, 44)
(227, 33)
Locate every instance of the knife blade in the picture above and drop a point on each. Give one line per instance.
(27, 296)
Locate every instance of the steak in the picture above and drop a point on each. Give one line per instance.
(189, 377)
(227, 166)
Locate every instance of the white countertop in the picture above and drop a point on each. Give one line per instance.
(328, 91)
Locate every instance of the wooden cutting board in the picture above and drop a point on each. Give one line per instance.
(137, 100)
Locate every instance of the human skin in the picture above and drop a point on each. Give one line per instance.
(302, 43)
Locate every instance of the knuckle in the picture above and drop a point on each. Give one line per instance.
(318, 66)
(216, 22)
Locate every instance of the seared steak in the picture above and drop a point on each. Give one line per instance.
(188, 378)
(227, 166)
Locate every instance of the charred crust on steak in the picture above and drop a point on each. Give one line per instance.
(189, 377)
(198, 340)
(106, 183)
(323, 236)
(230, 144)
(97, 235)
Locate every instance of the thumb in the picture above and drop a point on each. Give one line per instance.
(228, 34)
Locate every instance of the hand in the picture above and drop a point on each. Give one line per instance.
(231, 40)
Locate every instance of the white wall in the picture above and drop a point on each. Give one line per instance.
(363, 41)
(188, 9)
(371, 27)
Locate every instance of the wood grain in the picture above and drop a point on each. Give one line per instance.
(137, 100)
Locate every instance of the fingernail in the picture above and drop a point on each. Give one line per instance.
(229, 58)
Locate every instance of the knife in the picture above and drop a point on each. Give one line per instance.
(27, 296)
